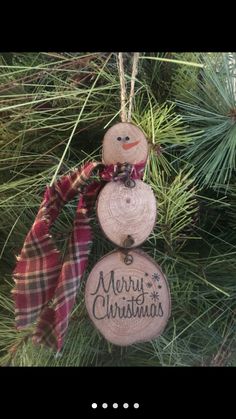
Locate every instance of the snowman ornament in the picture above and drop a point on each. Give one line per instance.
(127, 295)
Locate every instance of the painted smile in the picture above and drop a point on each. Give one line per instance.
(130, 145)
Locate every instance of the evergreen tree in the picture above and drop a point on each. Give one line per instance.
(54, 108)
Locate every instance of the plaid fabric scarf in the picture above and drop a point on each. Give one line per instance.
(45, 285)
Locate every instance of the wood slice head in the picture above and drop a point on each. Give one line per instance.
(128, 302)
(126, 215)
(124, 142)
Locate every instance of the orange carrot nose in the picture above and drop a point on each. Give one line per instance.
(127, 146)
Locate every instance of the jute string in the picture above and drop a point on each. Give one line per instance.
(124, 114)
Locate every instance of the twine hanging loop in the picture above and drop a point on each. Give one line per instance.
(124, 114)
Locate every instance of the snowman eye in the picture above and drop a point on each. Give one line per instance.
(127, 138)
(119, 138)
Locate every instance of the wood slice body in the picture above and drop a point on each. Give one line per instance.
(124, 212)
(128, 303)
(124, 142)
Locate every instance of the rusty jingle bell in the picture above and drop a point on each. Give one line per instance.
(127, 296)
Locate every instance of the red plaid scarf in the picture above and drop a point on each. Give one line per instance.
(45, 285)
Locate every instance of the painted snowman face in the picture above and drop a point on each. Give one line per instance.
(124, 142)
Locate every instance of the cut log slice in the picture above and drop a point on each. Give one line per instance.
(126, 215)
(128, 298)
(124, 142)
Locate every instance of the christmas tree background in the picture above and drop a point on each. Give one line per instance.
(54, 110)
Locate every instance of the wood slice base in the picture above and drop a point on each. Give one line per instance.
(128, 303)
(127, 216)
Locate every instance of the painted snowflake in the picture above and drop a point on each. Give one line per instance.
(156, 276)
(154, 296)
